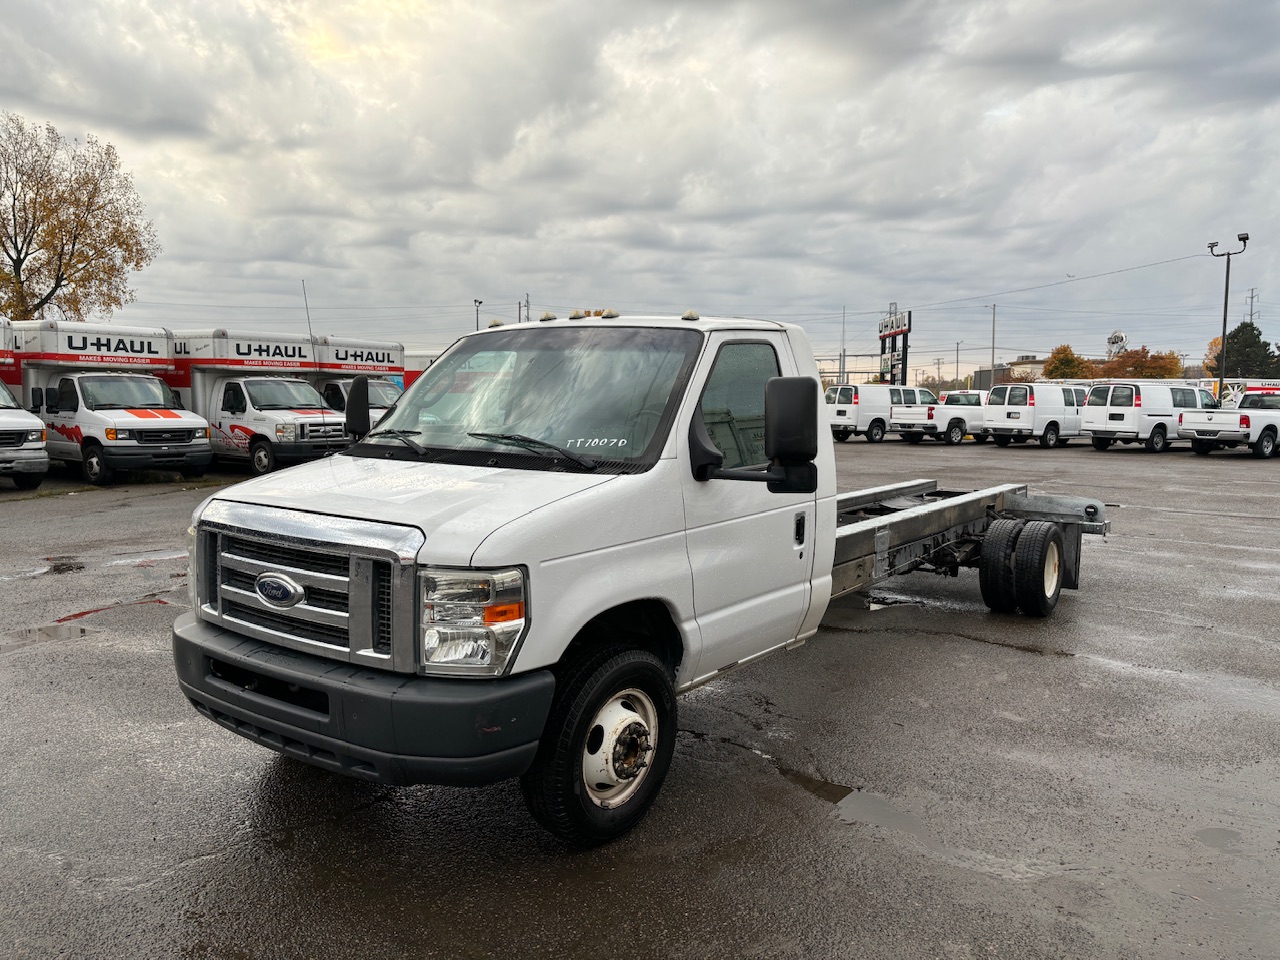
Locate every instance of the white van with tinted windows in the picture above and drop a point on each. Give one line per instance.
(863, 409)
(1141, 411)
(1048, 412)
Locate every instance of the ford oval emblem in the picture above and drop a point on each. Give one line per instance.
(278, 590)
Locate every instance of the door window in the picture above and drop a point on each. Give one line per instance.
(1183, 396)
(996, 397)
(895, 396)
(1081, 397)
(333, 396)
(233, 398)
(1098, 396)
(1068, 396)
(68, 401)
(926, 396)
(1018, 396)
(732, 405)
(1208, 400)
(1122, 396)
(846, 395)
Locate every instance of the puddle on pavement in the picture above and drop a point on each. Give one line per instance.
(74, 564)
(1220, 838)
(63, 565)
(49, 633)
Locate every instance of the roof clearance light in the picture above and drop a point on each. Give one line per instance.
(577, 315)
(690, 315)
(548, 315)
(610, 314)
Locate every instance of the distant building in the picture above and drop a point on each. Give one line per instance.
(1025, 365)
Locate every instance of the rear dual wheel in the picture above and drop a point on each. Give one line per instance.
(1020, 567)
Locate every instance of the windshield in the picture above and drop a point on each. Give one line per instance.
(125, 393)
(284, 395)
(6, 399)
(605, 393)
(383, 393)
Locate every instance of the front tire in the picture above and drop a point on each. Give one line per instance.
(606, 748)
(913, 437)
(95, 467)
(1038, 568)
(28, 481)
(842, 436)
(262, 459)
(1202, 447)
(1101, 443)
(1001, 440)
(980, 438)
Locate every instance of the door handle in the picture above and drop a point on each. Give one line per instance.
(800, 528)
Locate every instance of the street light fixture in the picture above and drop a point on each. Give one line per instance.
(478, 302)
(1226, 295)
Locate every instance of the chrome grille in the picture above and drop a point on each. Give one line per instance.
(357, 599)
(323, 431)
(12, 438)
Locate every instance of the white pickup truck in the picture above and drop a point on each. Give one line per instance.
(559, 528)
(1254, 423)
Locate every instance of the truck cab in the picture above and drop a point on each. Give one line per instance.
(270, 420)
(23, 458)
(383, 394)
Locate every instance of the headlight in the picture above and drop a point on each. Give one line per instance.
(202, 433)
(33, 435)
(114, 434)
(286, 432)
(472, 620)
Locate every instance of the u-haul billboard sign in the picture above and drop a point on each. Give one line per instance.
(895, 325)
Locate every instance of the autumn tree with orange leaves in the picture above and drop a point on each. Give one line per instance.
(72, 227)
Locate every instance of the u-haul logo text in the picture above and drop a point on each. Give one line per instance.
(125, 345)
(361, 356)
(272, 351)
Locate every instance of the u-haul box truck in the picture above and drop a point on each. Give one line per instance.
(416, 361)
(22, 455)
(339, 361)
(257, 393)
(97, 389)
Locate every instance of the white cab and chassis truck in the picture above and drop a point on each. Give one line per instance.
(1254, 423)
(99, 391)
(559, 528)
(340, 360)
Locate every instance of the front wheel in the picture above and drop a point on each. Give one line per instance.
(913, 437)
(95, 467)
(980, 438)
(1202, 447)
(842, 436)
(27, 481)
(262, 459)
(1101, 443)
(1001, 440)
(1265, 446)
(606, 748)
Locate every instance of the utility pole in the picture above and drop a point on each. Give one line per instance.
(1253, 296)
(992, 378)
(958, 342)
(527, 315)
(1226, 296)
(842, 368)
(937, 369)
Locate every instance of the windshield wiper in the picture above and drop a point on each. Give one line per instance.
(531, 443)
(403, 436)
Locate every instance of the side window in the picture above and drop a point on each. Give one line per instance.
(1018, 396)
(895, 396)
(732, 404)
(233, 398)
(1068, 396)
(1098, 396)
(846, 395)
(1183, 396)
(926, 396)
(67, 398)
(908, 396)
(1080, 396)
(996, 397)
(333, 396)
(1122, 396)
(1208, 400)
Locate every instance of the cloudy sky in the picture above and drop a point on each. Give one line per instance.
(803, 161)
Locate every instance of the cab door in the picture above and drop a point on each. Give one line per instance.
(64, 435)
(1071, 414)
(230, 436)
(751, 551)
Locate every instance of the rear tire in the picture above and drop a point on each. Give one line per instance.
(995, 565)
(980, 438)
(94, 466)
(1038, 568)
(875, 432)
(1101, 443)
(955, 432)
(1202, 447)
(1049, 439)
(607, 746)
(1158, 442)
(1001, 440)
(913, 437)
(28, 481)
(842, 436)
(1265, 446)
(192, 473)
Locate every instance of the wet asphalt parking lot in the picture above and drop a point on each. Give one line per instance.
(924, 779)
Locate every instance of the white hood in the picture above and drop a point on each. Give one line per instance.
(456, 507)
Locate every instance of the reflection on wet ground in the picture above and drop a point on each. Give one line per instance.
(50, 633)
(71, 564)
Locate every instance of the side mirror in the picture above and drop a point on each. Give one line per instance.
(358, 408)
(790, 440)
(37, 399)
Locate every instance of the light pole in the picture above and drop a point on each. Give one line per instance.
(1226, 293)
(958, 342)
(478, 302)
(992, 378)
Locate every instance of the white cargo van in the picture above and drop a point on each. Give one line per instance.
(257, 393)
(865, 409)
(97, 388)
(1141, 411)
(1047, 412)
(23, 458)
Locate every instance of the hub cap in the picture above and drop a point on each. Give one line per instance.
(619, 748)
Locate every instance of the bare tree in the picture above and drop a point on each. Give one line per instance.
(72, 226)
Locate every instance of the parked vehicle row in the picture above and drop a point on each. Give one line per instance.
(1152, 413)
(111, 398)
